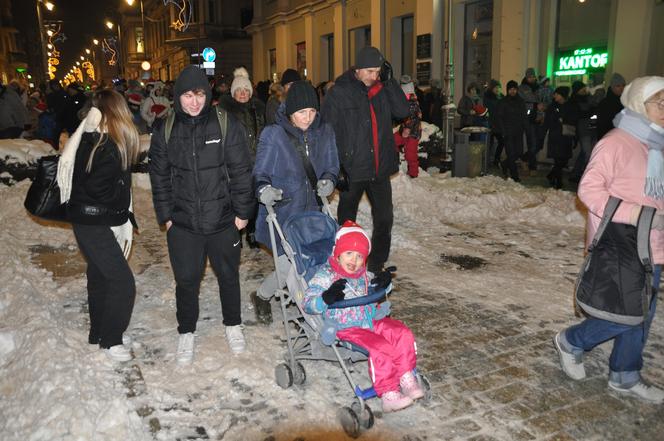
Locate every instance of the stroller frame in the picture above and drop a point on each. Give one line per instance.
(304, 340)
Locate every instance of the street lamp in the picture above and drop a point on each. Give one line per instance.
(87, 51)
(95, 42)
(48, 5)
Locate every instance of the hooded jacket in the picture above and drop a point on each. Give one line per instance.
(278, 164)
(200, 181)
(346, 108)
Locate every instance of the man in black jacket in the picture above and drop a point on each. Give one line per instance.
(202, 193)
(361, 106)
(610, 106)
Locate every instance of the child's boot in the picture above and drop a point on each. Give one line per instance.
(395, 400)
(410, 387)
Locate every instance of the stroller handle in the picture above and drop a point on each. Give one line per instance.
(373, 297)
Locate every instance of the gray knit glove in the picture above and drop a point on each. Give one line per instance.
(269, 195)
(325, 187)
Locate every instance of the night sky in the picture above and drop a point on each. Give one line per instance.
(82, 20)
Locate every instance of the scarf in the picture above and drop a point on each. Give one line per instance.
(337, 268)
(373, 91)
(652, 136)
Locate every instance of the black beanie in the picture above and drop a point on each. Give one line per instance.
(301, 95)
(290, 76)
(191, 78)
(367, 57)
(562, 91)
(511, 84)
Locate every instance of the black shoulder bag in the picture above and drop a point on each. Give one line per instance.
(43, 198)
(615, 281)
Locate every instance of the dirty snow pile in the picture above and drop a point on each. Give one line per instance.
(13, 151)
(55, 386)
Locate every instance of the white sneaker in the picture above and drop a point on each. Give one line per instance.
(235, 338)
(642, 390)
(572, 367)
(185, 354)
(118, 353)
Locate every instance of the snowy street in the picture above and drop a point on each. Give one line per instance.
(485, 278)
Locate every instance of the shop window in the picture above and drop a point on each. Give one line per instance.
(477, 39)
(301, 58)
(140, 41)
(357, 39)
(327, 57)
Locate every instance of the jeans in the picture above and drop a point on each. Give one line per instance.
(627, 355)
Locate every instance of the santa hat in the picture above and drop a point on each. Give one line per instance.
(480, 110)
(241, 81)
(135, 99)
(40, 107)
(351, 237)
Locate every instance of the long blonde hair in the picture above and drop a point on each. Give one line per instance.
(116, 123)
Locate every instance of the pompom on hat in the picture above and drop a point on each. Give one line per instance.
(351, 237)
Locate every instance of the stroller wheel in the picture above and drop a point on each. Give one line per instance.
(426, 386)
(299, 375)
(349, 421)
(365, 415)
(283, 375)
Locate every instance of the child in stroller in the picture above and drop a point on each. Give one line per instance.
(391, 345)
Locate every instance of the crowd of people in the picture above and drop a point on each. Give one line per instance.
(533, 109)
(221, 154)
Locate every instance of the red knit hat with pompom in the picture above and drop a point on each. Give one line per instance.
(351, 237)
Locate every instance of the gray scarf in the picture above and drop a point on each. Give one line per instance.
(651, 135)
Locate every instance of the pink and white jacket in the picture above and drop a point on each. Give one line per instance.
(617, 168)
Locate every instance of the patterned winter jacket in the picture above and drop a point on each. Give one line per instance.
(356, 316)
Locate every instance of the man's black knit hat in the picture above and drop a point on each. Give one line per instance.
(301, 95)
(367, 57)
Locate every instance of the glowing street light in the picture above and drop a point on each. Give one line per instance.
(82, 58)
(78, 63)
(49, 33)
(95, 41)
(109, 24)
(49, 5)
(130, 2)
(87, 51)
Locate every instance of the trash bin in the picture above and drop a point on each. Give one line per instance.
(470, 157)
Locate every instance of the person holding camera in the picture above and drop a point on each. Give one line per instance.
(360, 107)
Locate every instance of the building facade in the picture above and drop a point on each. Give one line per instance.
(13, 58)
(170, 40)
(489, 38)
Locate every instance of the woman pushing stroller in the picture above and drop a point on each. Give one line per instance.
(296, 165)
(391, 345)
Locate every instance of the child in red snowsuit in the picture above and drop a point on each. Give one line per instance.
(408, 135)
(390, 343)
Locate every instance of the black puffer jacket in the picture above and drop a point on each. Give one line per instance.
(101, 196)
(199, 181)
(251, 114)
(346, 108)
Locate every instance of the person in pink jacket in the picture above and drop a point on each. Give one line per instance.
(628, 163)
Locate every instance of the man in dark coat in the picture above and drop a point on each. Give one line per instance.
(513, 120)
(202, 193)
(560, 145)
(361, 107)
(610, 106)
